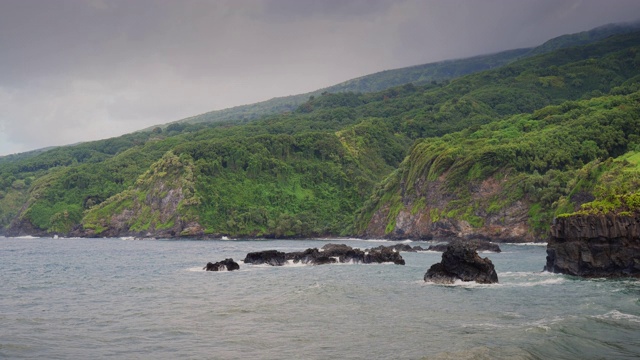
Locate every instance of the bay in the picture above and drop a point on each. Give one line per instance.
(128, 299)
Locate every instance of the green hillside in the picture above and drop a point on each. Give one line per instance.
(418, 75)
(533, 126)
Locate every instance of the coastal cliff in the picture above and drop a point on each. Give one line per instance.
(595, 245)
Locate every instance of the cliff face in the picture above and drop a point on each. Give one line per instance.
(157, 206)
(595, 246)
(427, 213)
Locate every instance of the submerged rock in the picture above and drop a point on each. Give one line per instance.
(401, 247)
(226, 264)
(595, 246)
(461, 262)
(479, 245)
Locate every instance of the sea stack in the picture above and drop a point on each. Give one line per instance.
(224, 265)
(595, 246)
(461, 262)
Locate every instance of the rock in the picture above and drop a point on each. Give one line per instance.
(311, 257)
(377, 255)
(401, 247)
(480, 246)
(329, 254)
(226, 264)
(432, 195)
(383, 255)
(270, 257)
(595, 246)
(461, 261)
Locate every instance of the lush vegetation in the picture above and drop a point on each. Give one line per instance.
(546, 123)
(551, 158)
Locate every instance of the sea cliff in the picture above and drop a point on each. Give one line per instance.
(595, 245)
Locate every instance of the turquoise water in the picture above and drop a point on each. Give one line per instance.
(128, 299)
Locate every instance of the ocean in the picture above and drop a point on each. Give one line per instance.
(150, 299)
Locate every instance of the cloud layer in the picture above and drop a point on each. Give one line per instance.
(78, 70)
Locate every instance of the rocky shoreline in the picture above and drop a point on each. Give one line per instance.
(595, 246)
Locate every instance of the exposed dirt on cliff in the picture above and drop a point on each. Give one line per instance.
(427, 213)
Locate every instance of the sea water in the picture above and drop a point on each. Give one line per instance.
(140, 299)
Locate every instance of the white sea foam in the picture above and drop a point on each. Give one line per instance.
(545, 324)
(127, 238)
(617, 315)
(528, 244)
(292, 263)
(542, 282)
(487, 326)
(461, 284)
(528, 274)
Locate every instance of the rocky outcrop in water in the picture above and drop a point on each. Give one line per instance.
(595, 246)
(224, 265)
(311, 257)
(270, 257)
(401, 247)
(479, 245)
(329, 254)
(461, 262)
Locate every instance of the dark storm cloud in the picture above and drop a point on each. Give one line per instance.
(289, 10)
(74, 70)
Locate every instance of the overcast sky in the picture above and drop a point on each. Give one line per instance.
(78, 70)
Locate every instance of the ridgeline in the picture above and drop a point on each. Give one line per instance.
(492, 154)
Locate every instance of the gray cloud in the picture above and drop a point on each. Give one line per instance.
(76, 70)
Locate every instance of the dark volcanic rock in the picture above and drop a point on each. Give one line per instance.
(383, 255)
(226, 264)
(595, 246)
(377, 255)
(461, 261)
(479, 245)
(329, 254)
(271, 257)
(311, 256)
(401, 247)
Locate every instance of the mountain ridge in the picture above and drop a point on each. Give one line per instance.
(312, 172)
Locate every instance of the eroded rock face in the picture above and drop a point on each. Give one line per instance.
(224, 265)
(595, 246)
(461, 262)
(426, 222)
